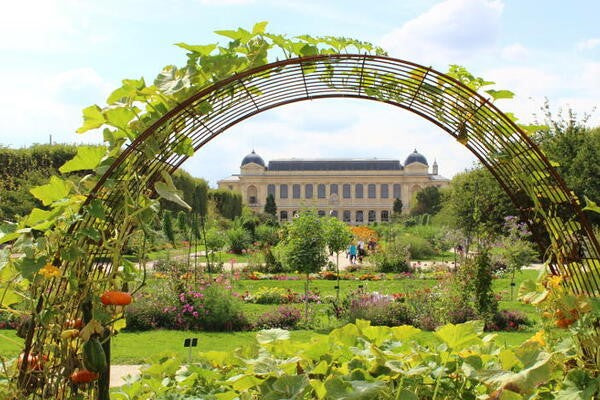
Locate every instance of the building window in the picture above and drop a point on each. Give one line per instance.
(333, 189)
(252, 194)
(384, 191)
(334, 213)
(347, 216)
(296, 191)
(321, 213)
(271, 190)
(397, 192)
(372, 216)
(359, 216)
(371, 190)
(358, 191)
(385, 216)
(230, 187)
(346, 189)
(283, 191)
(295, 214)
(321, 191)
(308, 191)
(283, 216)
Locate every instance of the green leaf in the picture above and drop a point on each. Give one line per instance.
(271, 335)
(127, 92)
(531, 293)
(500, 94)
(92, 119)
(404, 332)
(591, 205)
(259, 27)
(460, 336)
(242, 382)
(29, 266)
(8, 232)
(9, 297)
(96, 209)
(202, 50)
(87, 157)
(120, 116)
(184, 147)
(168, 191)
(57, 189)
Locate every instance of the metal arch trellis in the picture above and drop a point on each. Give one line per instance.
(550, 208)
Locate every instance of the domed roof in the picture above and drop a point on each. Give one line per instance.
(253, 158)
(415, 156)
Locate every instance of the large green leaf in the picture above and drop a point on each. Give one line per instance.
(185, 147)
(202, 50)
(500, 94)
(168, 191)
(460, 336)
(56, 189)
(272, 335)
(288, 388)
(92, 119)
(591, 205)
(87, 157)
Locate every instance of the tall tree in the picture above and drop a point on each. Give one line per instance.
(397, 208)
(305, 247)
(338, 236)
(429, 201)
(270, 206)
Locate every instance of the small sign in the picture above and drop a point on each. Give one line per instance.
(190, 342)
(336, 287)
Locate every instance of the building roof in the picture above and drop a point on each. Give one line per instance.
(340, 164)
(415, 156)
(253, 158)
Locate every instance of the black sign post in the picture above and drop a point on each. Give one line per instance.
(189, 343)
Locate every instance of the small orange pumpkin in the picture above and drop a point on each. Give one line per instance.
(83, 376)
(115, 298)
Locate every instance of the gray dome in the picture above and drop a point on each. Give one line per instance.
(415, 156)
(253, 158)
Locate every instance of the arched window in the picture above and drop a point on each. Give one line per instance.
(283, 215)
(271, 190)
(346, 190)
(359, 216)
(371, 191)
(372, 216)
(321, 191)
(252, 194)
(296, 191)
(385, 216)
(333, 189)
(383, 191)
(347, 216)
(321, 213)
(358, 191)
(334, 213)
(283, 191)
(308, 191)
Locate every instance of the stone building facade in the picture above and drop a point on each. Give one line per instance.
(358, 191)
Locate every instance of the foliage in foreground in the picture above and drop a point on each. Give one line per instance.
(360, 361)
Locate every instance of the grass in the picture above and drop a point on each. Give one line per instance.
(135, 347)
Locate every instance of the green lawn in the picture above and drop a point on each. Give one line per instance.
(134, 347)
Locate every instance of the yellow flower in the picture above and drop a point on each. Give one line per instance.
(538, 338)
(555, 281)
(50, 271)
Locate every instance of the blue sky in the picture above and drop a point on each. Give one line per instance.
(62, 55)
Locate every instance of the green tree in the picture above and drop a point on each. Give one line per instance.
(270, 206)
(397, 208)
(305, 247)
(428, 201)
(199, 206)
(576, 148)
(477, 205)
(338, 236)
(215, 240)
(167, 227)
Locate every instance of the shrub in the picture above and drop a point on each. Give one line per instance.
(392, 257)
(506, 320)
(269, 295)
(212, 308)
(239, 239)
(284, 317)
(418, 247)
(145, 313)
(375, 307)
(8, 320)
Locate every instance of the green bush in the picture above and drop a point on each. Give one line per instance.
(392, 257)
(418, 247)
(375, 307)
(269, 295)
(239, 239)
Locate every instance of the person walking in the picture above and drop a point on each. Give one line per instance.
(352, 253)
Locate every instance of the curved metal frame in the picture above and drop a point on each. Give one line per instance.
(557, 220)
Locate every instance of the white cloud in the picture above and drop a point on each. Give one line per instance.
(449, 31)
(514, 52)
(588, 44)
(35, 105)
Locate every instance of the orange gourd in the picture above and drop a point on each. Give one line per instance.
(83, 376)
(115, 298)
